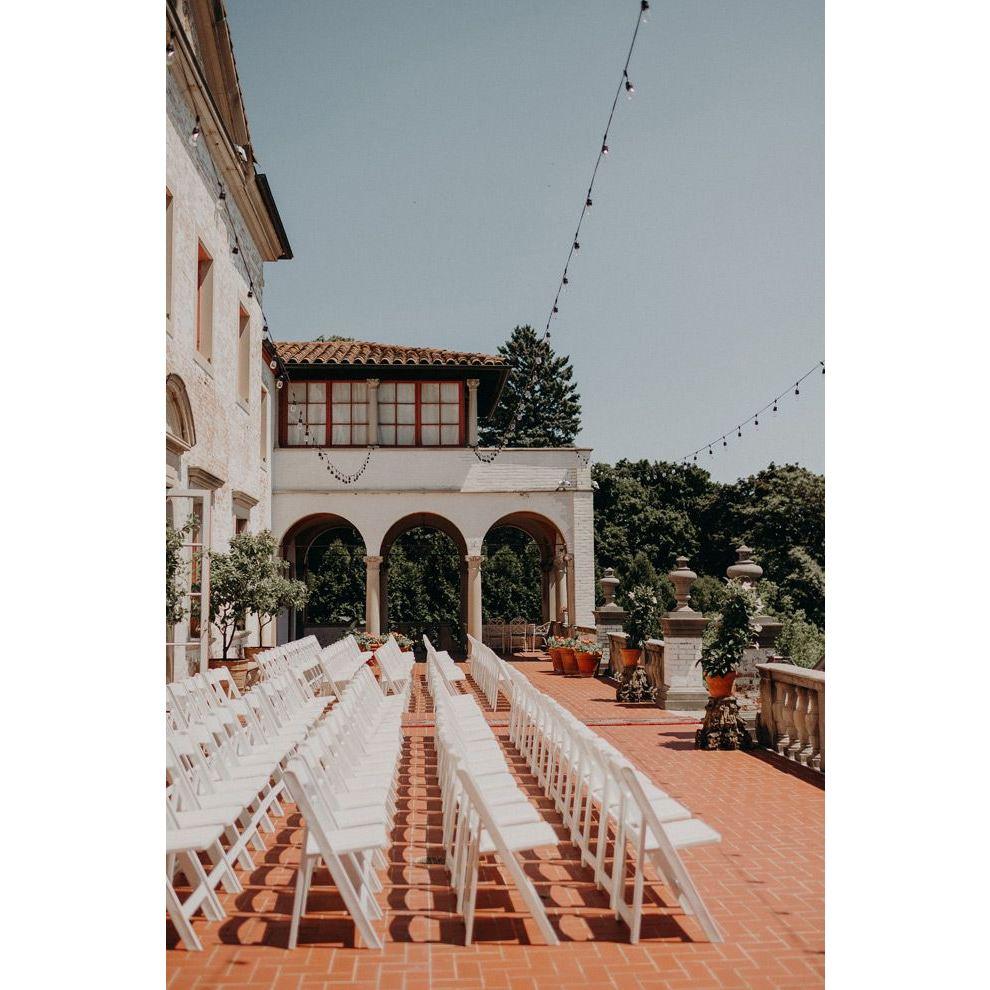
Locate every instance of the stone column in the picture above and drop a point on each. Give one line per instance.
(559, 588)
(546, 570)
(571, 591)
(472, 411)
(373, 384)
(474, 594)
(748, 572)
(372, 594)
(682, 632)
(609, 619)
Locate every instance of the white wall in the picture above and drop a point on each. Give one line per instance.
(453, 484)
(227, 433)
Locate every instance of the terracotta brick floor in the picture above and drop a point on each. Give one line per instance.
(764, 884)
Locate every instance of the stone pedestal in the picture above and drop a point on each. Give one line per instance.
(749, 573)
(609, 619)
(682, 632)
(723, 728)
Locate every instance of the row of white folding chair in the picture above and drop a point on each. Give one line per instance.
(301, 658)
(444, 660)
(484, 809)
(584, 773)
(224, 758)
(341, 661)
(343, 779)
(396, 668)
(487, 671)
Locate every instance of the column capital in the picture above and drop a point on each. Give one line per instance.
(473, 560)
(374, 561)
(374, 382)
(473, 383)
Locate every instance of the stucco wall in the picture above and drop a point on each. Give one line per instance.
(227, 432)
(453, 484)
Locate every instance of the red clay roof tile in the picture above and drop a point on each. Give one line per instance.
(369, 352)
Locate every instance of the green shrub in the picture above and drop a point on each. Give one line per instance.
(801, 641)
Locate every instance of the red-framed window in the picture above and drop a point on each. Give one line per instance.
(410, 414)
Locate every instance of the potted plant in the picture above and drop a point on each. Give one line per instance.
(588, 654)
(404, 642)
(273, 594)
(568, 661)
(727, 638)
(369, 641)
(642, 606)
(554, 646)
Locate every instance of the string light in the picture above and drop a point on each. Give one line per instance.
(169, 50)
(755, 418)
(194, 137)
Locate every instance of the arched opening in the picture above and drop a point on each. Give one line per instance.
(327, 552)
(180, 428)
(525, 573)
(424, 582)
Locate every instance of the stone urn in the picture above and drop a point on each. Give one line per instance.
(682, 577)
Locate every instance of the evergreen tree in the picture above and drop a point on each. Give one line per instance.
(550, 412)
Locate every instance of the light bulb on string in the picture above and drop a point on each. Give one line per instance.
(725, 443)
(630, 88)
(555, 309)
(235, 250)
(756, 421)
(822, 363)
(604, 149)
(169, 51)
(587, 203)
(774, 405)
(711, 452)
(278, 384)
(565, 280)
(797, 390)
(577, 245)
(194, 137)
(222, 194)
(250, 293)
(739, 431)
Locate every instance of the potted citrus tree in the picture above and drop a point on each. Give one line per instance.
(642, 606)
(728, 636)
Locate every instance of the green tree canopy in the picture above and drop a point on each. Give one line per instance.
(550, 408)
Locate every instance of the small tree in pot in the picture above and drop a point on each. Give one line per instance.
(728, 636)
(642, 606)
(273, 594)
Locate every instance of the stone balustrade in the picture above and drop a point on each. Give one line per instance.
(792, 713)
(616, 644)
(653, 648)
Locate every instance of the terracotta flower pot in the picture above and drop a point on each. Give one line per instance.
(558, 666)
(244, 673)
(720, 687)
(630, 658)
(568, 661)
(588, 663)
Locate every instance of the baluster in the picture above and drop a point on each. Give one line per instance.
(782, 712)
(798, 736)
(811, 724)
(767, 724)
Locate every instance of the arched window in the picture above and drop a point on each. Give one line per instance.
(180, 430)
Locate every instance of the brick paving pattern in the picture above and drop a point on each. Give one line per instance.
(764, 884)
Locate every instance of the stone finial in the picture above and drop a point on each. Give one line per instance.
(682, 577)
(745, 569)
(610, 584)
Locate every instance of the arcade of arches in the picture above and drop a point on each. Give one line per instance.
(328, 551)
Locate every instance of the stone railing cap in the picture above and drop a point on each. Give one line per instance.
(784, 671)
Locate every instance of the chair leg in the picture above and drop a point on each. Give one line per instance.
(183, 926)
(304, 876)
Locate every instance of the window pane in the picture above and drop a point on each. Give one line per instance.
(430, 392)
(317, 391)
(386, 436)
(341, 412)
(406, 436)
(430, 435)
(405, 391)
(359, 391)
(294, 413)
(359, 435)
(341, 435)
(341, 391)
(450, 436)
(386, 392)
(316, 413)
(295, 434)
(449, 392)
(450, 414)
(359, 412)
(297, 392)
(317, 436)
(386, 414)
(406, 414)
(430, 414)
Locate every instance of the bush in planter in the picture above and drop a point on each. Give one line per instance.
(249, 577)
(644, 609)
(731, 631)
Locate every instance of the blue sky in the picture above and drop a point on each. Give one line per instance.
(429, 160)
